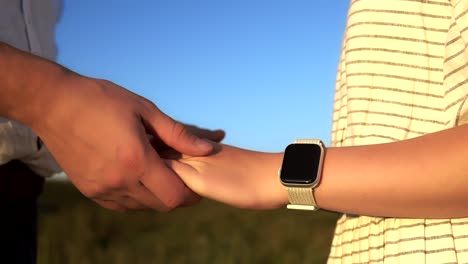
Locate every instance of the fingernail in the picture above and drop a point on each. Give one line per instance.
(203, 144)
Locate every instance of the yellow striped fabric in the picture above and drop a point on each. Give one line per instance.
(403, 73)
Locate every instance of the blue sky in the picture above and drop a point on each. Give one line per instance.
(262, 70)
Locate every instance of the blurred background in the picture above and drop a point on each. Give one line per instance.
(263, 71)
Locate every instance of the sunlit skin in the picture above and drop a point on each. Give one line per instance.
(424, 177)
(97, 132)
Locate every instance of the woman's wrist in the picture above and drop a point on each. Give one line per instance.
(273, 190)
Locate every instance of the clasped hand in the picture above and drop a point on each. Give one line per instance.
(97, 132)
(234, 176)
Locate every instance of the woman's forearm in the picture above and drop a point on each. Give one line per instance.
(424, 177)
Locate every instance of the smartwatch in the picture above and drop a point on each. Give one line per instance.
(301, 171)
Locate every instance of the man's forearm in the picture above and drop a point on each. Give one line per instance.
(27, 84)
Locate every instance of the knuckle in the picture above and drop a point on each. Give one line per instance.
(149, 104)
(105, 82)
(113, 182)
(172, 202)
(94, 192)
(179, 130)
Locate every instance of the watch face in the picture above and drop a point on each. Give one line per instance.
(301, 163)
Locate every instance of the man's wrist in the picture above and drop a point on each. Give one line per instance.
(29, 85)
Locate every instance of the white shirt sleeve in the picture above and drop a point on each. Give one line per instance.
(18, 142)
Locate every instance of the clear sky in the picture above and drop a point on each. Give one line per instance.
(263, 70)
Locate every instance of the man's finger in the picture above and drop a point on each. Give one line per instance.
(176, 135)
(142, 194)
(131, 203)
(166, 189)
(111, 205)
(123, 203)
(214, 135)
(191, 198)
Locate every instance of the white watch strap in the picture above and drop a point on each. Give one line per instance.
(302, 198)
(308, 141)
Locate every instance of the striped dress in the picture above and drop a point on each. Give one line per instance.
(403, 73)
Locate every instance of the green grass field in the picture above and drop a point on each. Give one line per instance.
(74, 230)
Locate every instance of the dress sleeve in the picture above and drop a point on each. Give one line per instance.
(456, 66)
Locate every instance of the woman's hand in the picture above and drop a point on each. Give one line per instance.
(234, 176)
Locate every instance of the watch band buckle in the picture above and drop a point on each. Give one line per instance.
(302, 207)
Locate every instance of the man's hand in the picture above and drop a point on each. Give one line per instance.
(97, 131)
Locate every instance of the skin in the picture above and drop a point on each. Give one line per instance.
(424, 177)
(98, 133)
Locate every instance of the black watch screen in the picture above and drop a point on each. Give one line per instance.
(301, 163)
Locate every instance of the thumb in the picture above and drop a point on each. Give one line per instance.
(176, 135)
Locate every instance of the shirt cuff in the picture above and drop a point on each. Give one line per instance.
(18, 142)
